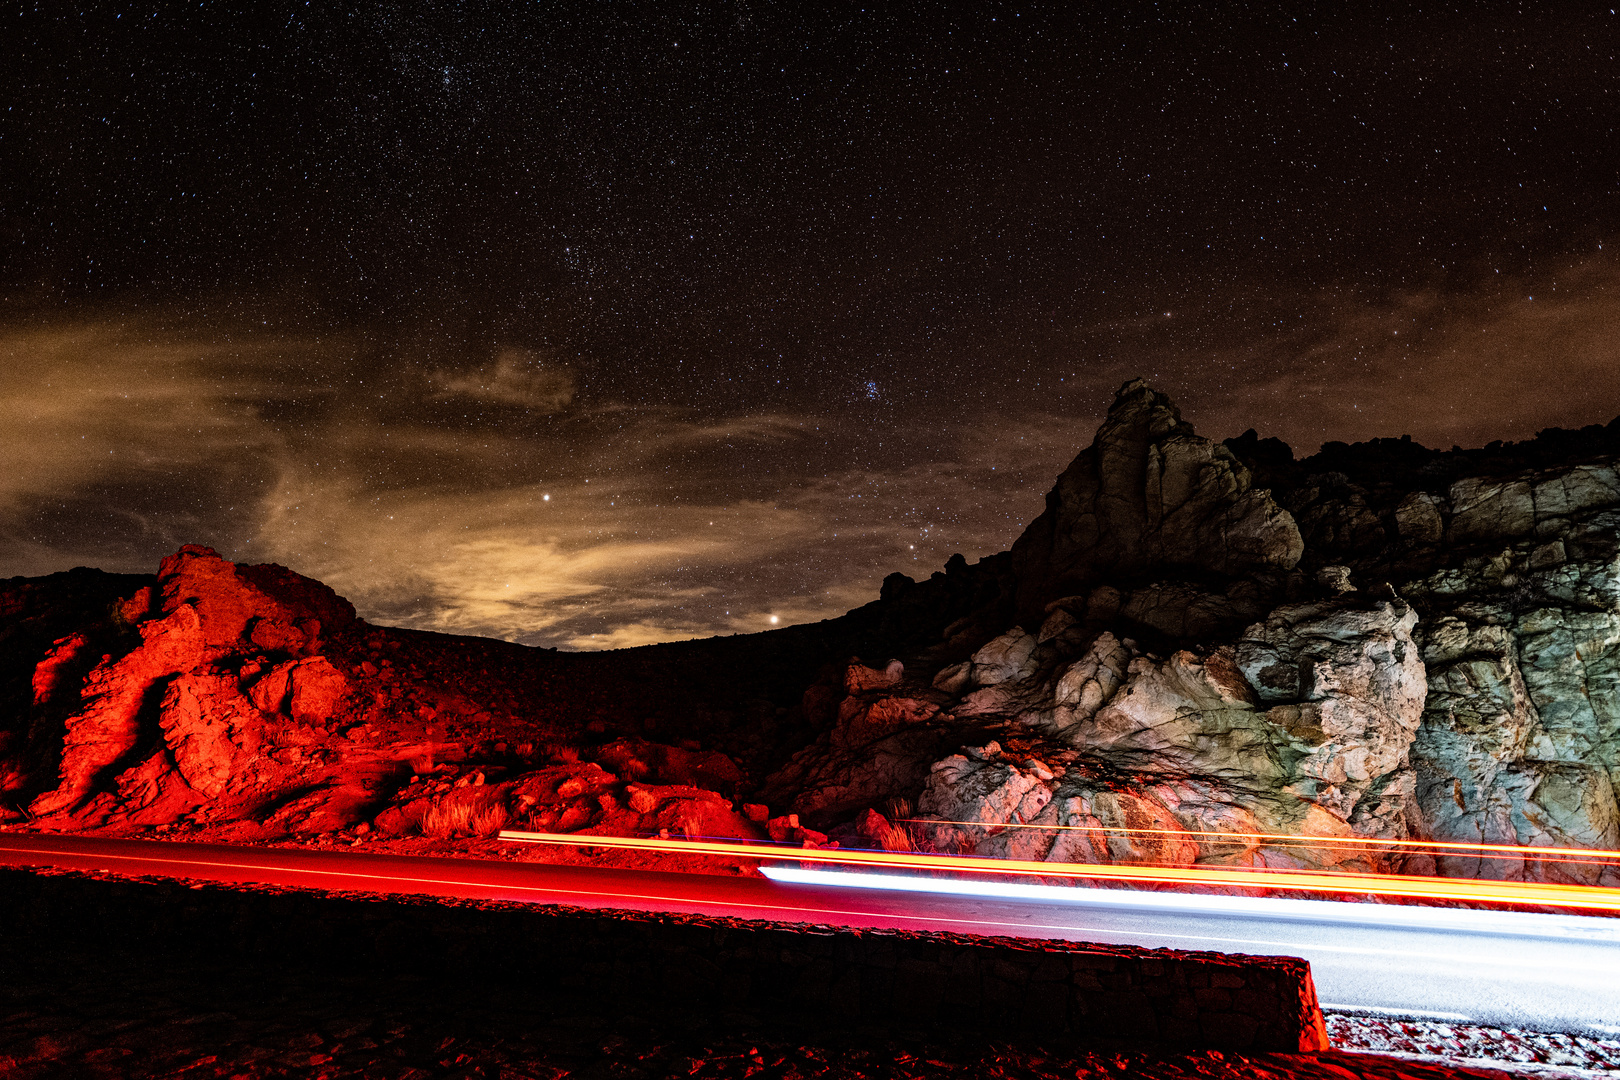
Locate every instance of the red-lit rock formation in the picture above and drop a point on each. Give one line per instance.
(250, 699)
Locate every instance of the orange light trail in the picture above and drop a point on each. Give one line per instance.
(1543, 894)
(1582, 854)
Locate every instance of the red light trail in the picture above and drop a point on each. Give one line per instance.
(1535, 893)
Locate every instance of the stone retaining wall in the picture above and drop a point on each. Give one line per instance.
(765, 974)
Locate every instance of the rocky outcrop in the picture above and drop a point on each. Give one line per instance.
(880, 736)
(268, 606)
(1149, 497)
(1402, 646)
(569, 797)
(107, 730)
(1521, 735)
(251, 701)
(200, 715)
(1302, 729)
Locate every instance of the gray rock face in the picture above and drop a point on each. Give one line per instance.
(1089, 683)
(1303, 728)
(1389, 644)
(1347, 682)
(1520, 743)
(976, 797)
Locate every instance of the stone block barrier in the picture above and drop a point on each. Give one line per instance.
(767, 975)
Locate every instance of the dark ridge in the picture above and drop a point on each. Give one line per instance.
(1412, 466)
(1271, 461)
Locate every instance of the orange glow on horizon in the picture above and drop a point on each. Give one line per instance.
(1546, 894)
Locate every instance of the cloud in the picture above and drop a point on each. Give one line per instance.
(82, 403)
(601, 525)
(1463, 367)
(516, 377)
(124, 439)
(660, 527)
(544, 564)
(588, 523)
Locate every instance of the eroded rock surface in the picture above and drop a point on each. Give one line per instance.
(1148, 496)
(1304, 728)
(879, 743)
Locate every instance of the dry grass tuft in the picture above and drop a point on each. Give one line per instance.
(480, 815)
(896, 835)
(559, 753)
(690, 825)
(896, 838)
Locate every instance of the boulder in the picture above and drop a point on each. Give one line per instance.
(860, 679)
(880, 746)
(153, 793)
(974, 797)
(639, 759)
(56, 675)
(689, 812)
(1347, 682)
(1006, 658)
(1119, 827)
(316, 690)
(1089, 683)
(267, 606)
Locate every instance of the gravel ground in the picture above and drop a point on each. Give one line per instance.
(1468, 1042)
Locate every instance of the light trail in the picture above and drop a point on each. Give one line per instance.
(1581, 854)
(1469, 920)
(1536, 893)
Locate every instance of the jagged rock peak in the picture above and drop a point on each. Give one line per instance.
(1150, 497)
(268, 604)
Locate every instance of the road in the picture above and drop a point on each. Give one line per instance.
(1547, 972)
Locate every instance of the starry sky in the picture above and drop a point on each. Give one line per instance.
(597, 324)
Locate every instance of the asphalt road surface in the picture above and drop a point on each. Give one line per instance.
(1546, 972)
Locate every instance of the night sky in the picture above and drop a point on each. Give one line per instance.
(596, 324)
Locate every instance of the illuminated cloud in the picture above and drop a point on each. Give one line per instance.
(121, 440)
(516, 377)
(556, 519)
(1498, 363)
(514, 564)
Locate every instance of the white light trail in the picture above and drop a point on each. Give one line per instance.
(1466, 920)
